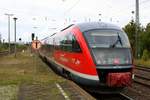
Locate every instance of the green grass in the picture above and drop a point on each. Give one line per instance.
(26, 68)
(142, 62)
(8, 92)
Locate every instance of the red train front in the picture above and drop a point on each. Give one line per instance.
(92, 54)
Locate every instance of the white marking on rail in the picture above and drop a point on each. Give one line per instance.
(62, 91)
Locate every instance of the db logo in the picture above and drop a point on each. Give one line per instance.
(36, 44)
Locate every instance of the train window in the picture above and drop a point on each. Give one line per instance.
(75, 45)
(67, 43)
(69, 38)
(125, 39)
(106, 38)
(62, 40)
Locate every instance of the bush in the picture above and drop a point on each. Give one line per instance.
(3, 47)
(21, 47)
(145, 55)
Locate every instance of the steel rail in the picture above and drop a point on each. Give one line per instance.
(141, 77)
(141, 67)
(126, 96)
(147, 70)
(141, 83)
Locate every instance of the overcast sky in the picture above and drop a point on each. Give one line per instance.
(44, 17)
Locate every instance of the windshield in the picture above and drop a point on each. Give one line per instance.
(106, 38)
(109, 47)
(112, 56)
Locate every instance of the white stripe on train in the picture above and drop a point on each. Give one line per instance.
(86, 76)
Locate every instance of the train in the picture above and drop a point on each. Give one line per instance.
(92, 54)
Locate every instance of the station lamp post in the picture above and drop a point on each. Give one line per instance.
(9, 29)
(15, 33)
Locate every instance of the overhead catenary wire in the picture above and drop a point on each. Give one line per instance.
(73, 6)
(132, 6)
(145, 1)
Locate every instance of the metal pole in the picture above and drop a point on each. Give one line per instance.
(15, 33)
(137, 28)
(9, 30)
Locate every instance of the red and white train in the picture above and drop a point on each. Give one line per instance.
(91, 54)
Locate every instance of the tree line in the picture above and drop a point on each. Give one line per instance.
(5, 46)
(143, 39)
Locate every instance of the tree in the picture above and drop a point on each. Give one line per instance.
(145, 38)
(145, 55)
(130, 29)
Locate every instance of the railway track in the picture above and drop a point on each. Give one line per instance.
(141, 77)
(119, 96)
(2, 53)
(142, 81)
(97, 96)
(140, 67)
(126, 97)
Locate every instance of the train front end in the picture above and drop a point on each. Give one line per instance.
(111, 52)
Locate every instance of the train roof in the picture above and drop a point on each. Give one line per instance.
(96, 25)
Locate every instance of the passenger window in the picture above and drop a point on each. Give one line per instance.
(75, 45)
(67, 43)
